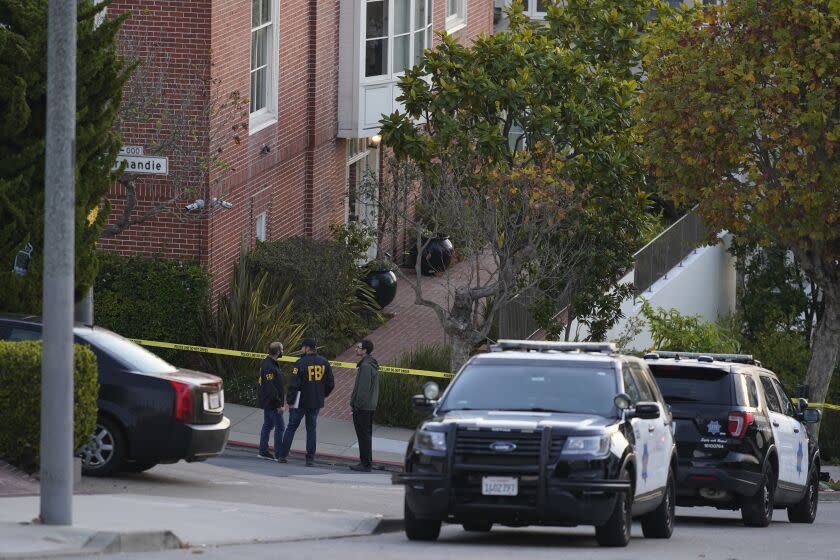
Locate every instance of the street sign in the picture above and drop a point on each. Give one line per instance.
(131, 151)
(144, 165)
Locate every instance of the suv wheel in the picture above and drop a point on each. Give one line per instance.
(805, 511)
(105, 451)
(616, 531)
(757, 511)
(659, 524)
(420, 529)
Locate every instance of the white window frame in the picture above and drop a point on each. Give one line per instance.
(261, 226)
(267, 115)
(456, 20)
(427, 29)
(531, 10)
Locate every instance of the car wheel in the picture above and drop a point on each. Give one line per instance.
(104, 454)
(420, 529)
(805, 511)
(659, 524)
(616, 531)
(478, 526)
(757, 511)
(139, 466)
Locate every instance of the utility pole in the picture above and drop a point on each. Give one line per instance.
(59, 258)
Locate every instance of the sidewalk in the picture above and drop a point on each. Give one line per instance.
(336, 438)
(109, 523)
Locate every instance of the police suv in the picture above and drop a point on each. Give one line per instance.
(741, 441)
(543, 433)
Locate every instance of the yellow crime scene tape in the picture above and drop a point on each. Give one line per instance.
(261, 355)
(346, 365)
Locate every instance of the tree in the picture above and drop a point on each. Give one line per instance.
(191, 127)
(741, 114)
(523, 148)
(23, 89)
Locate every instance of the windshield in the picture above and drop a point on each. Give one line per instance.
(547, 387)
(131, 355)
(688, 384)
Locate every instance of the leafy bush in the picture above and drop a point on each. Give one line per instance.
(329, 290)
(395, 390)
(251, 316)
(20, 395)
(672, 330)
(153, 299)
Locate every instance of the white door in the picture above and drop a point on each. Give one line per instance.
(798, 439)
(782, 432)
(642, 431)
(660, 437)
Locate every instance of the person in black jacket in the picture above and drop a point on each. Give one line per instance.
(270, 399)
(311, 382)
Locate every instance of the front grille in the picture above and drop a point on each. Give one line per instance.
(474, 447)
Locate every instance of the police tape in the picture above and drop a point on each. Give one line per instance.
(261, 355)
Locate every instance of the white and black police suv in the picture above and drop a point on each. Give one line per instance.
(741, 441)
(543, 433)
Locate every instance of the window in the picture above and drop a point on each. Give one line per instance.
(456, 14)
(646, 392)
(693, 384)
(130, 355)
(787, 404)
(630, 387)
(770, 395)
(396, 34)
(259, 227)
(510, 384)
(535, 8)
(263, 62)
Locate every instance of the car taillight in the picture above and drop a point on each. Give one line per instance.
(739, 422)
(183, 401)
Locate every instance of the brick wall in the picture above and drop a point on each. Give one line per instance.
(293, 170)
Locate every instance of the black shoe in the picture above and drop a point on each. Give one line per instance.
(310, 463)
(265, 456)
(359, 468)
(282, 460)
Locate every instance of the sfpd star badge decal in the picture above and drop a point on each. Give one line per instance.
(713, 427)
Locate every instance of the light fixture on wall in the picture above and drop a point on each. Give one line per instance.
(373, 141)
(198, 204)
(221, 202)
(21, 264)
(265, 149)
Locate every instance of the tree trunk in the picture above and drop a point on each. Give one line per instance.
(826, 344)
(461, 328)
(461, 348)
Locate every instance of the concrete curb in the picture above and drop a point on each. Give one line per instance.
(392, 466)
(830, 496)
(106, 542)
(389, 525)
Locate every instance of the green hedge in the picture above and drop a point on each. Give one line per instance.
(20, 399)
(395, 391)
(154, 299)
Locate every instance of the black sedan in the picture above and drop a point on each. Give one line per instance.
(150, 412)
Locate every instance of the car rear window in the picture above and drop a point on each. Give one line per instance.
(691, 384)
(131, 355)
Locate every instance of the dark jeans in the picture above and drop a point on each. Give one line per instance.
(363, 422)
(295, 416)
(272, 420)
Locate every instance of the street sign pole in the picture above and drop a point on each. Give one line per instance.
(59, 241)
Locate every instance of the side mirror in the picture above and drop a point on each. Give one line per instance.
(811, 415)
(622, 401)
(647, 411)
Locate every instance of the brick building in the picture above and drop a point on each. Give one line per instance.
(313, 78)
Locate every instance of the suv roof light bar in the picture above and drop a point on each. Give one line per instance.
(704, 357)
(552, 346)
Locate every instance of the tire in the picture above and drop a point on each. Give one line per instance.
(478, 526)
(139, 466)
(805, 511)
(616, 531)
(104, 454)
(659, 524)
(420, 529)
(757, 511)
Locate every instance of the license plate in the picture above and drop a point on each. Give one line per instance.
(215, 401)
(499, 486)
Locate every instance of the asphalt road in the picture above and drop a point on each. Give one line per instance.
(238, 476)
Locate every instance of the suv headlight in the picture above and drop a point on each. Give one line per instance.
(587, 445)
(430, 441)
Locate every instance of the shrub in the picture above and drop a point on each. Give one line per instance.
(20, 399)
(672, 330)
(395, 390)
(153, 299)
(251, 316)
(330, 294)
